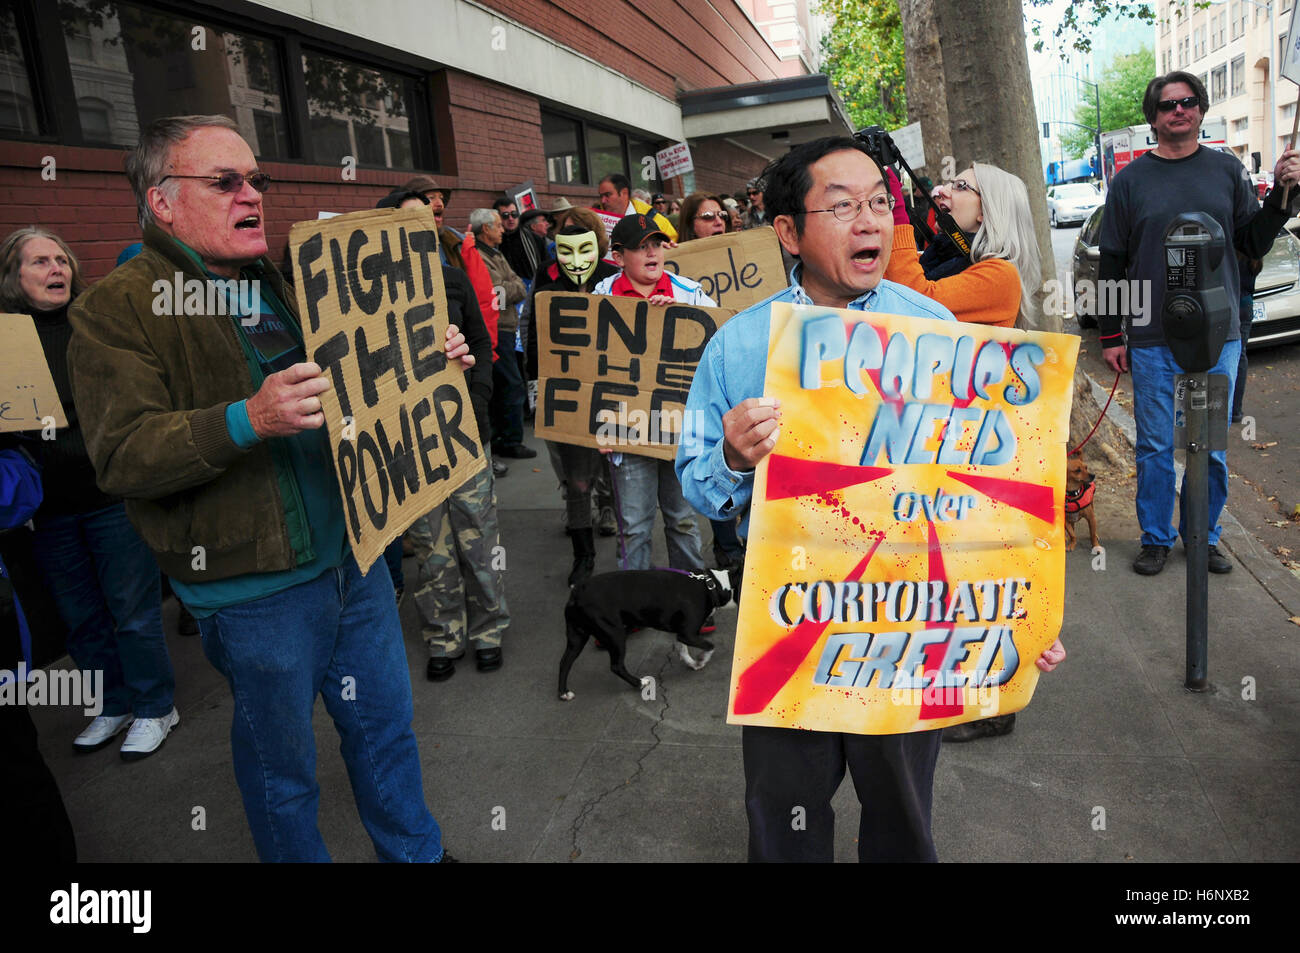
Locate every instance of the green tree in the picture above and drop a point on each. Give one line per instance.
(1122, 84)
(863, 56)
(1079, 17)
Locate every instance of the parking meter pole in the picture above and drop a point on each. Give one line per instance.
(1197, 500)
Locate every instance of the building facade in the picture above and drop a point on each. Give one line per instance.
(1234, 47)
(342, 101)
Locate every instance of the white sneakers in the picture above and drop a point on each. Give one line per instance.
(101, 731)
(145, 737)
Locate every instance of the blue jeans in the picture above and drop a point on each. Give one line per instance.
(106, 584)
(337, 636)
(1153, 371)
(638, 483)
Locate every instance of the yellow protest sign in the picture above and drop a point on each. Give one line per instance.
(28, 399)
(402, 429)
(735, 269)
(615, 372)
(906, 562)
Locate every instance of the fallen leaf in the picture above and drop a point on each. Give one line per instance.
(1296, 619)
(1283, 551)
(1264, 446)
(1278, 523)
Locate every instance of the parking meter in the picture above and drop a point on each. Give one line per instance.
(1197, 313)
(1195, 317)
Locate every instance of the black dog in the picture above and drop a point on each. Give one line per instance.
(606, 606)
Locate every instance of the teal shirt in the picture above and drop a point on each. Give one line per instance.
(274, 342)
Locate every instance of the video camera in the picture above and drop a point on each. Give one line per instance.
(880, 146)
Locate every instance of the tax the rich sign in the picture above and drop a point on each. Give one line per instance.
(736, 269)
(402, 430)
(905, 564)
(615, 372)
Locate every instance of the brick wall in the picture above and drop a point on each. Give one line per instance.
(722, 167)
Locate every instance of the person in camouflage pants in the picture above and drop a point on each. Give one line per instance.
(460, 591)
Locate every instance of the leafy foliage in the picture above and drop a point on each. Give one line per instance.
(1122, 84)
(1080, 16)
(863, 56)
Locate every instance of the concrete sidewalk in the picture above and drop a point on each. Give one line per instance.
(513, 774)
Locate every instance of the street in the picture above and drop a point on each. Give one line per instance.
(1264, 492)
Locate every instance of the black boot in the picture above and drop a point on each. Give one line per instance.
(584, 555)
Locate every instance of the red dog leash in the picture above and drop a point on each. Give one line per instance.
(1099, 419)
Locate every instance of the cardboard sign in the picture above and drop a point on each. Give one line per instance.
(910, 144)
(1290, 65)
(374, 312)
(28, 400)
(736, 269)
(905, 564)
(615, 372)
(524, 197)
(675, 160)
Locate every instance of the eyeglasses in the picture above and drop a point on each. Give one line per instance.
(1187, 102)
(229, 181)
(961, 185)
(509, 214)
(753, 192)
(710, 216)
(846, 210)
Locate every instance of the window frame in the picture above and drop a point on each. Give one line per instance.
(627, 135)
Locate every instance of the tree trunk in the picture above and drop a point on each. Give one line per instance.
(927, 99)
(991, 116)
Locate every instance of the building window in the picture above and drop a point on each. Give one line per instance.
(562, 141)
(131, 65)
(1239, 75)
(1236, 19)
(1218, 85)
(1205, 80)
(638, 150)
(1245, 14)
(1199, 38)
(17, 115)
(605, 151)
(356, 111)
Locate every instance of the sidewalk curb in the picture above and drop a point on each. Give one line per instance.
(1277, 581)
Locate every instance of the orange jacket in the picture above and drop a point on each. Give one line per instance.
(987, 292)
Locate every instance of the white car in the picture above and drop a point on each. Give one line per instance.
(1072, 203)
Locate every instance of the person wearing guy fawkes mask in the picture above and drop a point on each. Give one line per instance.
(580, 247)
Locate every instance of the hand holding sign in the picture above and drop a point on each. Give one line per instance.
(750, 430)
(288, 402)
(1052, 656)
(457, 348)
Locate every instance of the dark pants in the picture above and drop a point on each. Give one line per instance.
(508, 394)
(791, 776)
(109, 593)
(37, 828)
(1239, 388)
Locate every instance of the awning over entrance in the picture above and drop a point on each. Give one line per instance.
(766, 118)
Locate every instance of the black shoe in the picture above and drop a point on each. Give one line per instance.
(1219, 563)
(499, 468)
(187, 624)
(488, 660)
(440, 669)
(1151, 560)
(984, 728)
(448, 859)
(516, 452)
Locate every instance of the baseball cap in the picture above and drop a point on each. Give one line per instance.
(632, 230)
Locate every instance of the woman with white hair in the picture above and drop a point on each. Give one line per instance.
(997, 285)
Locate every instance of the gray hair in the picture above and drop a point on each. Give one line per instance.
(1008, 232)
(146, 164)
(641, 195)
(481, 217)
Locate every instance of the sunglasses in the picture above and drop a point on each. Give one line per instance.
(1187, 102)
(509, 214)
(710, 216)
(753, 192)
(961, 185)
(229, 181)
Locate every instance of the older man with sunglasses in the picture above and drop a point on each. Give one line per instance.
(1179, 175)
(209, 424)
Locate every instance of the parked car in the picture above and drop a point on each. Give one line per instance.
(1277, 287)
(1071, 203)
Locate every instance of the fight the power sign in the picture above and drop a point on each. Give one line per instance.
(402, 430)
(905, 563)
(614, 373)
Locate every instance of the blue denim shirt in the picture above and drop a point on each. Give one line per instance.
(734, 368)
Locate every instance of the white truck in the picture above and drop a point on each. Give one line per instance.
(1122, 146)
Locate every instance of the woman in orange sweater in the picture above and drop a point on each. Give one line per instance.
(997, 286)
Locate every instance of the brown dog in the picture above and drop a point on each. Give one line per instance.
(1078, 500)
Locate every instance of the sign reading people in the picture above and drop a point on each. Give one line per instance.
(614, 372)
(28, 399)
(905, 564)
(735, 269)
(402, 429)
